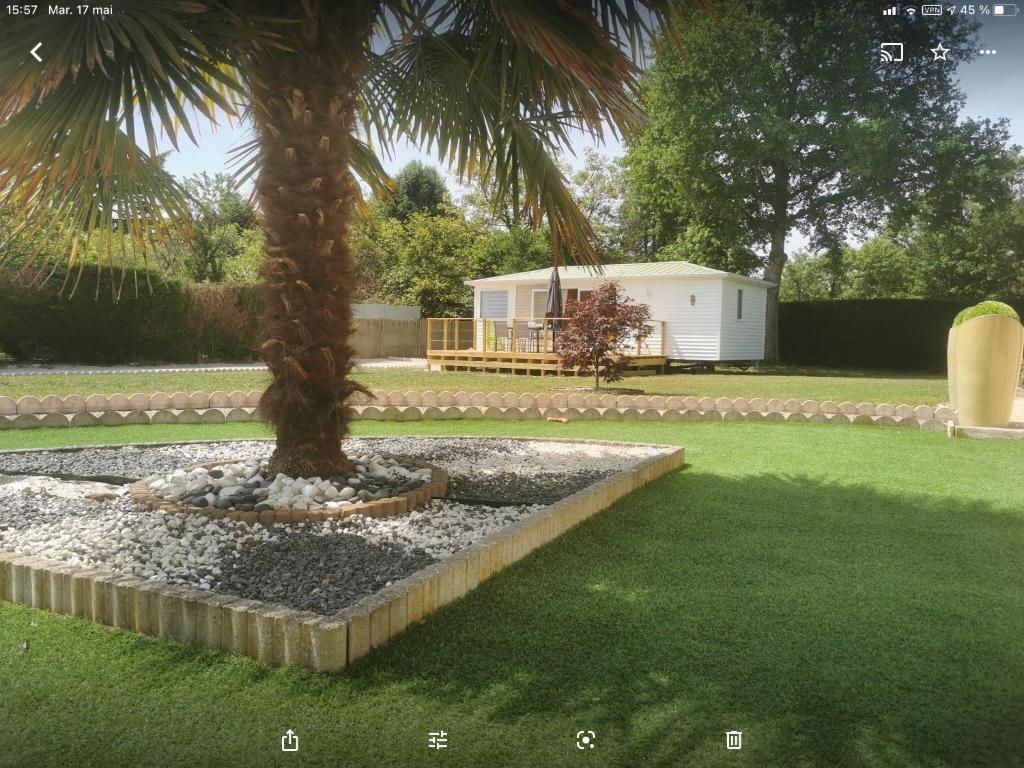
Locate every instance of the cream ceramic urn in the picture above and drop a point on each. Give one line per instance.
(984, 358)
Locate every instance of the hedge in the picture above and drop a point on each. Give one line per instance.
(193, 323)
(170, 323)
(884, 334)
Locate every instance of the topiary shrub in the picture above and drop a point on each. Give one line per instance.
(985, 308)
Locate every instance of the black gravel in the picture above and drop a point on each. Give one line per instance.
(512, 488)
(316, 573)
(129, 462)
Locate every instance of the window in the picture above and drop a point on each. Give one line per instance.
(574, 294)
(539, 302)
(739, 304)
(494, 305)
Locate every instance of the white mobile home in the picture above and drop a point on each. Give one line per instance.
(701, 314)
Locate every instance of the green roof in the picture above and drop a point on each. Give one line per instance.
(612, 272)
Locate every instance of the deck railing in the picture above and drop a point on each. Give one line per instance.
(522, 337)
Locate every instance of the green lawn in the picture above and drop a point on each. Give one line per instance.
(844, 596)
(781, 382)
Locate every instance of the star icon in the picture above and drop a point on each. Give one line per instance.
(940, 52)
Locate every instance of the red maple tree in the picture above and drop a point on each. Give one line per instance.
(599, 329)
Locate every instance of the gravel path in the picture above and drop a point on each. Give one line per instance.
(322, 567)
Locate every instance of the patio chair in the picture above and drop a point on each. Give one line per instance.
(502, 336)
(523, 342)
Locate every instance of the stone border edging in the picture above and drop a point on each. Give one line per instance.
(387, 507)
(278, 635)
(221, 407)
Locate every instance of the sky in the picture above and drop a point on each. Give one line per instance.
(992, 83)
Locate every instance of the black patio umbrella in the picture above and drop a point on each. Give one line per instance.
(554, 305)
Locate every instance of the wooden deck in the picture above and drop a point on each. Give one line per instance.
(519, 346)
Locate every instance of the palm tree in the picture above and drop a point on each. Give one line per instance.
(494, 86)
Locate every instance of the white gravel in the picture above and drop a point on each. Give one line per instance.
(247, 486)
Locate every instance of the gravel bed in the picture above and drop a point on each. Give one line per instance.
(322, 567)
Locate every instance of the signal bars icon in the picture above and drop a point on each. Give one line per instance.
(892, 10)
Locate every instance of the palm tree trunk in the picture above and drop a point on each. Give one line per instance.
(303, 113)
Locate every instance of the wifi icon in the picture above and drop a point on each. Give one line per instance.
(911, 12)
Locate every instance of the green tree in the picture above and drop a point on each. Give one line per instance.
(216, 232)
(599, 188)
(421, 262)
(971, 252)
(880, 269)
(973, 260)
(803, 279)
(488, 209)
(431, 265)
(243, 265)
(518, 250)
(425, 260)
(494, 87)
(777, 116)
(418, 188)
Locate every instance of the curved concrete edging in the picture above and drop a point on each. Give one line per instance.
(279, 635)
(220, 407)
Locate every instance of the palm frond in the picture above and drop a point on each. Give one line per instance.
(498, 89)
(367, 166)
(68, 126)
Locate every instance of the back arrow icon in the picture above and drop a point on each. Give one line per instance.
(33, 52)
